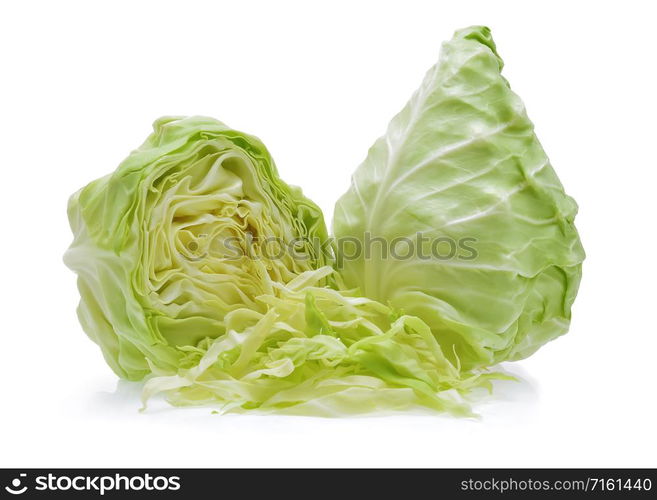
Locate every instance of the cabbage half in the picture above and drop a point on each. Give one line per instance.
(461, 162)
(168, 245)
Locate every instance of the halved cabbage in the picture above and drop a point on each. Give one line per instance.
(174, 240)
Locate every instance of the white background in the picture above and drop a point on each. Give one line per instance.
(81, 83)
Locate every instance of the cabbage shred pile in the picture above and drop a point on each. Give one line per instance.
(180, 285)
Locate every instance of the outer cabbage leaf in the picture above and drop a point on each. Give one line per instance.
(461, 161)
(156, 271)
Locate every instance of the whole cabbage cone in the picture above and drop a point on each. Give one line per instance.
(461, 175)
